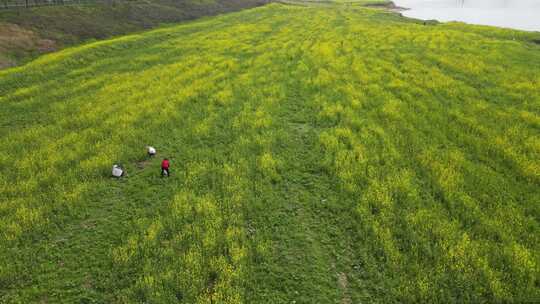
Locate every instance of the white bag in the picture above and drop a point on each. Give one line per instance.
(117, 171)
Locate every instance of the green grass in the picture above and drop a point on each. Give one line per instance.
(319, 155)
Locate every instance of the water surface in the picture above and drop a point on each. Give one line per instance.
(517, 14)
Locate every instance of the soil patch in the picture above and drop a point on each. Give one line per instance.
(17, 42)
(343, 285)
(142, 164)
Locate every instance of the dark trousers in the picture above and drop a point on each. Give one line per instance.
(165, 171)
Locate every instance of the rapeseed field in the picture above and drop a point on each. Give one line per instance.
(334, 154)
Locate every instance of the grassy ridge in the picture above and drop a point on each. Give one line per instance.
(27, 33)
(319, 156)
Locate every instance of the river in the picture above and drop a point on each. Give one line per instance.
(517, 14)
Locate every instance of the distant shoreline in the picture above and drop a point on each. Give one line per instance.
(390, 5)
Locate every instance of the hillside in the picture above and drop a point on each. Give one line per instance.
(331, 154)
(28, 33)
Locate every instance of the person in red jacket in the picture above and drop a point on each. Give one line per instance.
(165, 164)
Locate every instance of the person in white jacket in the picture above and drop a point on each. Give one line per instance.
(151, 151)
(117, 171)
